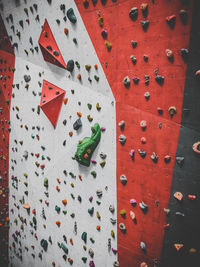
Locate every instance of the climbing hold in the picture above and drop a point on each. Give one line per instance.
(145, 24)
(178, 196)
(143, 206)
(91, 264)
(99, 193)
(134, 43)
(184, 53)
(142, 153)
(123, 179)
(172, 111)
(91, 253)
(154, 157)
(122, 139)
(167, 159)
(144, 8)
(70, 65)
(147, 95)
(183, 16)
(126, 82)
(167, 211)
(112, 208)
(122, 227)
(44, 244)
(87, 146)
(116, 264)
(91, 211)
(178, 246)
(104, 34)
(132, 215)
(192, 197)
(108, 45)
(77, 124)
(143, 246)
(171, 21)
(197, 75)
(64, 248)
(135, 79)
(169, 54)
(94, 174)
(100, 20)
(84, 237)
(133, 59)
(196, 147)
(143, 264)
(160, 79)
(133, 13)
(121, 124)
(180, 161)
(132, 153)
(123, 213)
(46, 182)
(143, 124)
(27, 78)
(27, 206)
(71, 16)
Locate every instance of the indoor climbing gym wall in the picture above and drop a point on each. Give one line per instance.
(100, 133)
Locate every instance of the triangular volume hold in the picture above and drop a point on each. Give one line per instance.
(51, 101)
(49, 92)
(49, 47)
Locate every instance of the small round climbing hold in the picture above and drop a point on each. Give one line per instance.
(143, 124)
(172, 111)
(122, 227)
(126, 82)
(123, 179)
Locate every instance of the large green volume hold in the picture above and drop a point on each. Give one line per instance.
(86, 147)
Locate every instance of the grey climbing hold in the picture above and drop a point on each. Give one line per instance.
(91, 253)
(123, 179)
(122, 139)
(126, 81)
(180, 161)
(77, 124)
(111, 208)
(27, 78)
(143, 246)
(122, 227)
(121, 124)
(99, 193)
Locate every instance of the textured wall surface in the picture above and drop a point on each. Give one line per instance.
(101, 39)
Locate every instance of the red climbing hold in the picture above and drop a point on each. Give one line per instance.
(49, 47)
(51, 101)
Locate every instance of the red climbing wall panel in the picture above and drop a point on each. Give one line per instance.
(47, 39)
(147, 181)
(7, 63)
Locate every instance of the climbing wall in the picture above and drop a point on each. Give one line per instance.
(100, 140)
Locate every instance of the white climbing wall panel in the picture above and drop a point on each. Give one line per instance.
(58, 157)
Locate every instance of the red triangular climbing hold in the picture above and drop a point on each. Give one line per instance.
(49, 47)
(51, 101)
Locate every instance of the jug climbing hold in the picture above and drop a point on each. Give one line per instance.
(133, 13)
(172, 111)
(87, 146)
(71, 16)
(122, 227)
(178, 196)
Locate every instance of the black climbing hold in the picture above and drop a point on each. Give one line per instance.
(159, 79)
(180, 161)
(145, 24)
(71, 16)
(133, 13)
(77, 124)
(70, 65)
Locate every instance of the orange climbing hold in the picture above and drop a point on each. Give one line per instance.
(65, 100)
(79, 114)
(71, 241)
(178, 246)
(64, 201)
(178, 195)
(58, 223)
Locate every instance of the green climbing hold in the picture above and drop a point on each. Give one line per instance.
(86, 148)
(44, 244)
(94, 174)
(46, 183)
(84, 237)
(71, 16)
